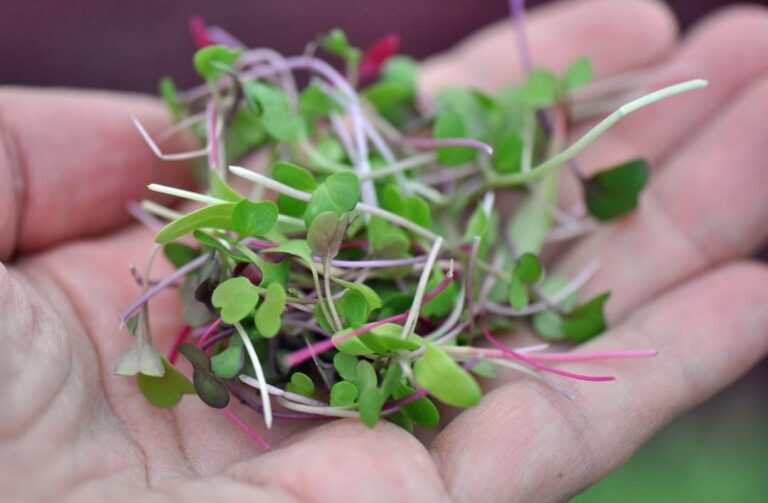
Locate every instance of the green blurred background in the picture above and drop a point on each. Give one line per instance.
(715, 453)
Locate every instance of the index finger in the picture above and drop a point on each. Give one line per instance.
(70, 161)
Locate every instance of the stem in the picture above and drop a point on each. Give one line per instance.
(259, 374)
(558, 160)
(162, 284)
(305, 196)
(246, 429)
(413, 314)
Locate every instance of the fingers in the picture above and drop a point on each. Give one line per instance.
(531, 445)
(708, 205)
(640, 32)
(70, 161)
(346, 461)
(727, 49)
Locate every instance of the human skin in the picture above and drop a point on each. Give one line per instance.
(70, 161)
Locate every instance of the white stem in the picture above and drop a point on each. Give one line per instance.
(413, 314)
(265, 401)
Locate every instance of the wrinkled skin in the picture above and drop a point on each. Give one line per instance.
(70, 161)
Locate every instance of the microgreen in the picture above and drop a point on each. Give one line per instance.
(166, 390)
(351, 280)
(614, 192)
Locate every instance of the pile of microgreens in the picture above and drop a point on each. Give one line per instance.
(370, 271)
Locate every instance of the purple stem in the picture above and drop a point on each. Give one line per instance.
(396, 404)
(221, 36)
(517, 14)
(210, 341)
(161, 285)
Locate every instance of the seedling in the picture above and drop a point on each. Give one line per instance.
(369, 272)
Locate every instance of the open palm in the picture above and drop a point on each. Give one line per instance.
(70, 162)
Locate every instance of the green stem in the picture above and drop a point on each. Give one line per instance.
(558, 160)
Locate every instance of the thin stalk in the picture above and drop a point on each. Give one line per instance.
(259, 374)
(413, 314)
(591, 135)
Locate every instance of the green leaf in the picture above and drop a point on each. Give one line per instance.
(587, 320)
(365, 375)
(443, 303)
(614, 192)
(336, 43)
(210, 59)
(578, 74)
(326, 232)
(216, 216)
(548, 324)
(352, 346)
(343, 394)
(236, 298)
(268, 316)
(301, 384)
(170, 96)
(353, 308)
(530, 225)
(401, 69)
(386, 339)
(345, 365)
(196, 356)
(228, 363)
(373, 299)
(541, 89)
(528, 268)
(165, 391)
(422, 411)
(391, 379)
(484, 368)
(278, 118)
(369, 406)
(221, 189)
(210, 390)
(387, 93)
(298, 178)
(508, 153)
(254, 219)
(446, 380)
(339, 193)
(402, 420)
(518, 294)
(179, 254)
(245, 133)
(315, 102)
(450, 124)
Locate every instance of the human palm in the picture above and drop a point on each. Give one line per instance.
(70, 162)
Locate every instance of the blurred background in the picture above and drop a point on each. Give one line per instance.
(713, 454)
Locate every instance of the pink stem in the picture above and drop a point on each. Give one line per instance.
(306, 353)
(514, 354)
(174, 351)
(246, 429)
(208, 333)
(587, 356)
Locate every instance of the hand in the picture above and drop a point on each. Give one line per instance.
(70, 161)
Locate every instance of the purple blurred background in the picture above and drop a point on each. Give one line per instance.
(129, 44)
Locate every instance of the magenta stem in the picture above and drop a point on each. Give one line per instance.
(174, 351)
(306, 353)
(211, 330)
(514, 354)
(586, 356)
(246, 429)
